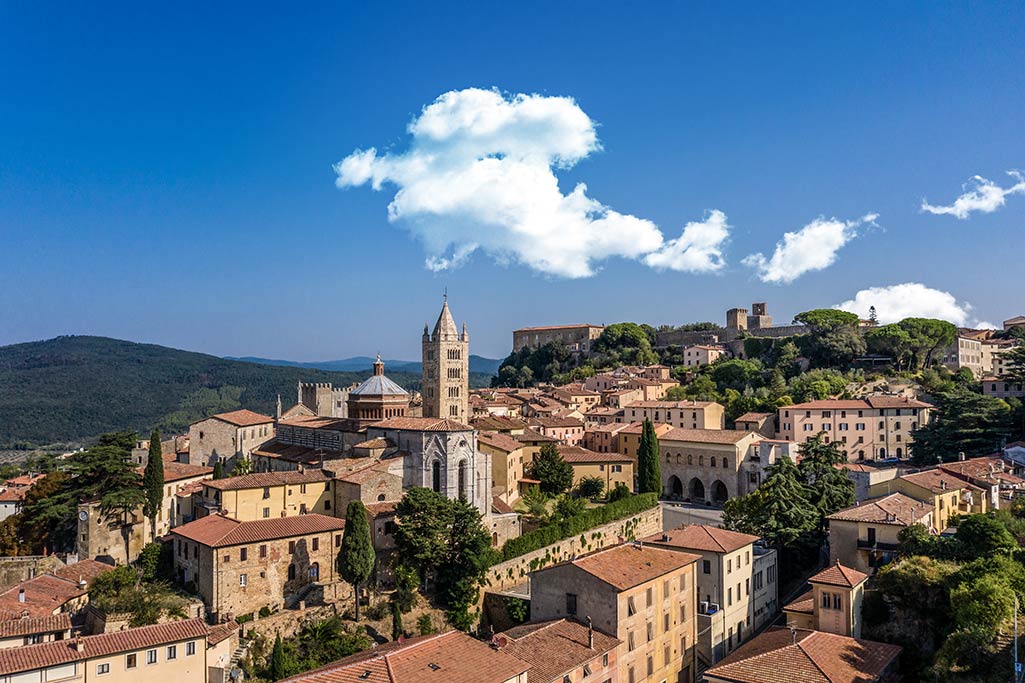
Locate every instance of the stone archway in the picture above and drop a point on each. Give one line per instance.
(696, 489)
(675, 487)
(720, 494)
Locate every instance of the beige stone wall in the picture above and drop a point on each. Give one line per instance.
(213, 439)
(681, 417)
(218, 572)
(683, 462)
(283, 500)
(660, 627)
(14, 570)
(869, 434)
(505, 575)
(101, 535)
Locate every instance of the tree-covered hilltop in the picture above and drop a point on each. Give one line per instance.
(69, 389)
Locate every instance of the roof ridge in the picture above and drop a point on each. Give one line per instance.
(800, 645)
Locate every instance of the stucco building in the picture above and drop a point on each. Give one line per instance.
(873, 428)
(641, 595)
(736, 582)
(679, 414)
(864, 536)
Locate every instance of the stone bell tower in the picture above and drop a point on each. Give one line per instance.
(446, 369)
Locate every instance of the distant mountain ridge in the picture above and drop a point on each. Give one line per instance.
(72, 388)
(487, 366)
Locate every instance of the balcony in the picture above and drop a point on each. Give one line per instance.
(877, 545)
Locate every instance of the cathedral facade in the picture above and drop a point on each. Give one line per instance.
(446, 370)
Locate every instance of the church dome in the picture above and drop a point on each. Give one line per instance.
(377, 384)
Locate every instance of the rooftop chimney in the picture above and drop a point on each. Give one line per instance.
(21, 595)
(79, 645)
(590, 634)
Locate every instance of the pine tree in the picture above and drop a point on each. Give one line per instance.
(785, 514)
(153, 481)
(650, 471)
(829, 489)
(356, 556)
(872, 315)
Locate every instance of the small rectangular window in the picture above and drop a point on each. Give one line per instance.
(102, 669)
(131, 661)
(151, 656)
(243, 580)
(190, 648)
(172, 652)
(571, 603)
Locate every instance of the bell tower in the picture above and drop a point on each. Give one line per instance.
(446, 369)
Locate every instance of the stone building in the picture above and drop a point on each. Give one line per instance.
(268, 495)
(446, 369)
(641, 595)
(377, 398)
(323, 399)
(228, 436)
(240, 567)
(576, 338)
(708, 464)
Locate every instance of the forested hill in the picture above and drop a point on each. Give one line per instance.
(71, 388)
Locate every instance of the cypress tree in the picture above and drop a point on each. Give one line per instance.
(650, 472)
(356, 556)
(396, 621)
(279, 667)
(153, 481)
(218, 470)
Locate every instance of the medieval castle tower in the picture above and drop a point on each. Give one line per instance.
(446, 369)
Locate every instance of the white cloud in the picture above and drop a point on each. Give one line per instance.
(911, 300)
(984, 195)
(479, 175)
(813, 247)
(697, 250)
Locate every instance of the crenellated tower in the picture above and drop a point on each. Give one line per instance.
(446, 369)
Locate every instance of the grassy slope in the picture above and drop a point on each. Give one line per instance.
(71, 388)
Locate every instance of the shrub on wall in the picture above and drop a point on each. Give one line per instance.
(577, 524)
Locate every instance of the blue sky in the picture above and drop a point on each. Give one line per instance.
(166, 171)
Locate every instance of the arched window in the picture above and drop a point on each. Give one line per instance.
(436, 476)
(314, 571)
(701, 460)
(725, 462)
(690, 459)
(462, 479)
(712, 461)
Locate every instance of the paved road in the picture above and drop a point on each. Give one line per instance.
(675, 514)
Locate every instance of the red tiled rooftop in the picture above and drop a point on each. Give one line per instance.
(578, 455)
(421, 424)
(896, 508)
(32, 657)
(241, 418)
(723, 436)
(259, 480)
(219, 531)
(28, 625)
(631, 564)
(779, 656)
(839, 575)
(703, 538)
(451, 657)
(554, 648)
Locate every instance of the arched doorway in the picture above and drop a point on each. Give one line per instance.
(314, 571)
(675, 487)
(696, 489)
(436, 476)
(719, 492)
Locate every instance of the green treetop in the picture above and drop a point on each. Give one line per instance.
(649, 470)
(356, 556)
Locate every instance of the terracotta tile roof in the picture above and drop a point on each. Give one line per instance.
(379, 442)
(989, 469)
(301, 455)
(555, 422)
(497, 423)
(578, 455)
(421, 424)
(702, 538)
(451, 657)
(218, 531)
(725, 436)
(554, 648)
(500, 506)
(83, 570)
(500, 440)
(27, 625)
(176, 471)
(671, 405)
(240, 418)
(44, 595)
(531, 435)
(13, 495)
(611, 427)
(839, 575)
(221, 632)
(753, 417)
(638, 427)
(630, 564)
(191, 488)
(804, 603)
(320, 422)
(259, 480)
(868, 403)
(24, 480)
(897, 508)
(938, 481)
(32, 657)
(815, 657)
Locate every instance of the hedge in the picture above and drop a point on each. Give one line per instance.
(577, 524)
